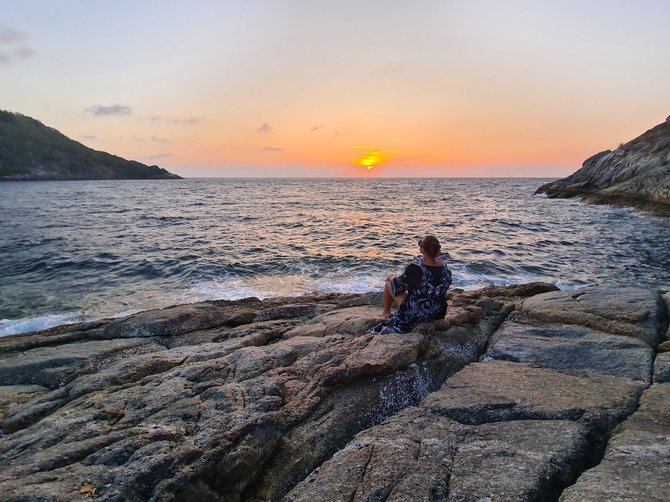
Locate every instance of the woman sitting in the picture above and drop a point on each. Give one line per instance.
(420, 292)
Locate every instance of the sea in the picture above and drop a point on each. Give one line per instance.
(74, 251)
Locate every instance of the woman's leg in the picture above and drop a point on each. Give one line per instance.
(390, 299)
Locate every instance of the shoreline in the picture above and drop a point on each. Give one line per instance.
(286, 397)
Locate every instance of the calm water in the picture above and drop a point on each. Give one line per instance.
(71, 251)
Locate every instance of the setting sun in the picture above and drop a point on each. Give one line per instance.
(371, 160)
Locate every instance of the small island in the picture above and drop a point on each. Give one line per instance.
(636, 174)
(31, 151)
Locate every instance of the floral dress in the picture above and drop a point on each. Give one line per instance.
(426, 301)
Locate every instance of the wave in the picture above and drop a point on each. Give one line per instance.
(29, 324)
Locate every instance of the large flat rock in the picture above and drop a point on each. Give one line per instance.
(572, 348)
(639, 313)
(636, 465)
(503, 391)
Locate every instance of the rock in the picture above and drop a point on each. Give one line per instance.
(53, 367)
(13, 395)
(635, 174)
(201, 406)
(417, 455)
(285, 312)
(639, 313)
(243, 400)
(182, 319)
(502, 391)
(662, 368)
(636, 465)
(572, 348)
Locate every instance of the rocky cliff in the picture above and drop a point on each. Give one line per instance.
(521, 393)
(29, 150)
(635, 174)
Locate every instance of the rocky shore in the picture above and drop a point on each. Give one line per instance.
(636, 174)
(521, 393)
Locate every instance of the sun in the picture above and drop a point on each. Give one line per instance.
(371, 160)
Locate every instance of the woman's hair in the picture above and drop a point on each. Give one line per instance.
(431, 245)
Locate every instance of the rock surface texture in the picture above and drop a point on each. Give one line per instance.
(516, 395)
(635, 174)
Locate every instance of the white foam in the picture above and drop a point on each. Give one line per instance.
(234, 288)
(28, 324)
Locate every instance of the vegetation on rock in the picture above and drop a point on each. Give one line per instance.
(29, 150)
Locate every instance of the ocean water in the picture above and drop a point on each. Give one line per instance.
(73, 251)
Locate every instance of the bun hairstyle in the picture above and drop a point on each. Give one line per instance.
(431, 245)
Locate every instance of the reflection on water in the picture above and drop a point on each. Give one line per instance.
(100, 248)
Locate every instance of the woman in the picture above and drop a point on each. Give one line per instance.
(420, 292)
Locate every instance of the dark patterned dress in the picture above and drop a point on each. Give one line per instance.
(426, 301)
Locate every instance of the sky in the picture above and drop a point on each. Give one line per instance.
(388, 88)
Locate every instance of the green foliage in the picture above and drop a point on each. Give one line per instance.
(31, 150)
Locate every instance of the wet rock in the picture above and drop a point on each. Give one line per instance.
(572, 348)
(639, 313)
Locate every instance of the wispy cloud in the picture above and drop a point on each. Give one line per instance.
(13, 45)
(90, 136)
(157, 156)
(264, 128)
(106, 111)
(272, 149)
(316, 128)
(188, 120)
(160, 140)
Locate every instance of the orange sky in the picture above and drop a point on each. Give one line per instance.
(433, 88)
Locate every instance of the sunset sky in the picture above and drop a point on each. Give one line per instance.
(341, 88)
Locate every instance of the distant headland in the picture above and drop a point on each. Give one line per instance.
(31, 151)
(636, 174)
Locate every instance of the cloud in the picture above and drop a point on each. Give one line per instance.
(157, 156)
(160, 140)
(264, 128)
(90, 136)
(106, 111)
(13, 45)
(188, 120)
(272, 149)
(316, 128)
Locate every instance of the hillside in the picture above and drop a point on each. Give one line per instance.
(635, 174)
(29, 150)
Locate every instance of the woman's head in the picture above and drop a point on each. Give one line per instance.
(430, 245)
